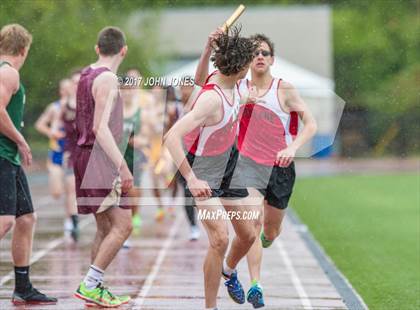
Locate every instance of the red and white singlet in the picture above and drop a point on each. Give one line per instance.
(264, 128)
(215, 139)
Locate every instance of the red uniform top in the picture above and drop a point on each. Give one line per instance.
(264, 128)
(215, 139)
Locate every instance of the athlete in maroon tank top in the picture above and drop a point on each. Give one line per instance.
(102, 175)
(68, 117)
(95, 172)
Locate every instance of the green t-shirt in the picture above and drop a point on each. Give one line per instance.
(8, 148)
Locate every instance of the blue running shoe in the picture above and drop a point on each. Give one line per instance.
(234, 287)
(255, 296)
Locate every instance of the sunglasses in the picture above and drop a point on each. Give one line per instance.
(263, 52)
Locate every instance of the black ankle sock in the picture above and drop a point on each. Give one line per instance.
(75, 220)
(22, 279)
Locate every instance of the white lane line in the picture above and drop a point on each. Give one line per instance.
(141, 297)
(41, 253)
(303, 296)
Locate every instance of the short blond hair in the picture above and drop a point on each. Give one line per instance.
(13, 39)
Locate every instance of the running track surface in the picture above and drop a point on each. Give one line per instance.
(162, 269)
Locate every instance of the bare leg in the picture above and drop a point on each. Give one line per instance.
(160, 212)
(217, 232)
(133, 198)
(272, 225)
(156, 190)
(6, 224)
(55, 180)
(254, 257)
(273, 219)
(135, 210)
(133, 201)
(135, 204)
(71, 207)
(22, 239)
(173, 187)
(103, 226)
(245, 229)
(121, 228)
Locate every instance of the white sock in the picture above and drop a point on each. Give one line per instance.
(68, 225)
(226, 269)
(93, 277)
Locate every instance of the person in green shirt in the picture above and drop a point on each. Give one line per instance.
(131, 146)
(15, 198)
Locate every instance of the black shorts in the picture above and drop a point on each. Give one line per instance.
(15, 197)
(274, 183)
(218, 172)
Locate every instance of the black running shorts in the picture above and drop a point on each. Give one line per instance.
(15, 197)
(273, 182)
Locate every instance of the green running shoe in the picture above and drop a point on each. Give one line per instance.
(265, 242)
(99, 296)
(136, 220)
(125, 299)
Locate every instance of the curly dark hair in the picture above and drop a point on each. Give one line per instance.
(259, 38)
(232, 53)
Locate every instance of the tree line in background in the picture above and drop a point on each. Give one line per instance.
(377, 71)
(64, 35)
(376, 58)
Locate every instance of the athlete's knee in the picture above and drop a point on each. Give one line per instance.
(26, 221)
(103, 225)
(56, 191)
(219, 241)
(128, 229)
(271, 232)
(102, 231)
(248, 238)
(124, 228)
(124, 232)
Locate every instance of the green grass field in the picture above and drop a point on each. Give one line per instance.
(370, 227)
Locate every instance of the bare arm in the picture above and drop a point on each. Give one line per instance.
(203, 65)
(202, 70)
(105, 90)
(206, 105)
(294, 103)
(9, 84)
(44, 122)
